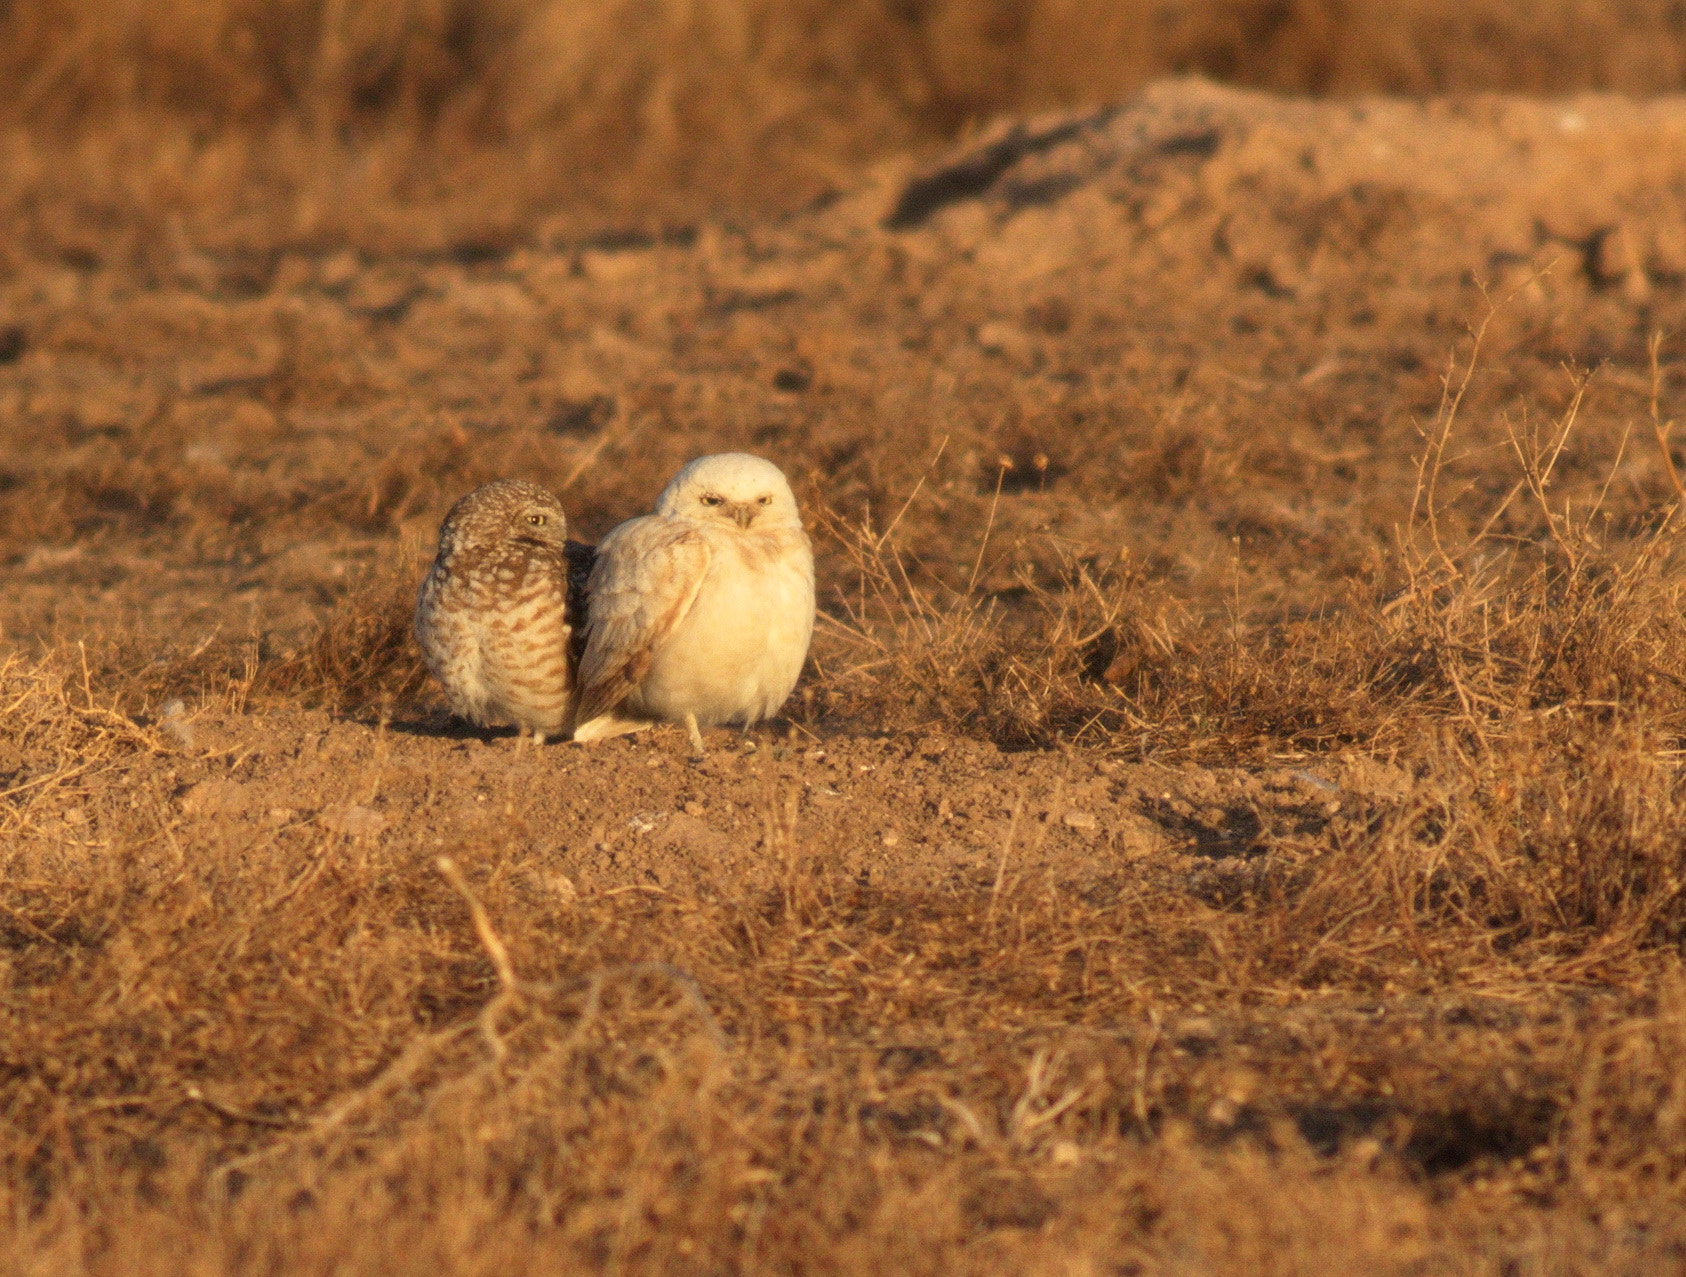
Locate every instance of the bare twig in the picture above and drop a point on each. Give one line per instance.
(239, 1115)
(508, 987)
(910, 496)
(1006, 850)
(1659, 427)
(1000, 475)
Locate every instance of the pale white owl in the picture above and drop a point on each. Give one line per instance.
(701, 612)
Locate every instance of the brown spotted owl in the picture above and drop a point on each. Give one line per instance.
(499, 614)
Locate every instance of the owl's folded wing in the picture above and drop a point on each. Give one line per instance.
(645, 578)
(578, 559)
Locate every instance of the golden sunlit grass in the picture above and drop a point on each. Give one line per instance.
(392, 1063)
(1431, 1024)
(135, 132)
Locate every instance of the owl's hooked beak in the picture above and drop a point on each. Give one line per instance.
(743, 513)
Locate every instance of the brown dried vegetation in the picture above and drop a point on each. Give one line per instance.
(132, 130)
(1231, 821)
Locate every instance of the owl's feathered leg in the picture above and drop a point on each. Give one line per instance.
(695, 734)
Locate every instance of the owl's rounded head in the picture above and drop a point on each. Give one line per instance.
(731, 487)
(507, 511)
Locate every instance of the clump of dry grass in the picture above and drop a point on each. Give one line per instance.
(361, 655)
(59, 737)
(1561, 621)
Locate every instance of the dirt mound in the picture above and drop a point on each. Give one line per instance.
(1284, 195)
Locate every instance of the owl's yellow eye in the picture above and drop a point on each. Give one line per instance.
(537, 520)
(767, 500)
(711, 499)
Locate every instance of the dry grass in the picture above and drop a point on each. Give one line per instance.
(375, 1061)
(1489, 621)
(367, 1060)
(136, 135)
(1433, 1026)
(1532, 683)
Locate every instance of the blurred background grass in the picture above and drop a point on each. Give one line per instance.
(253, 125)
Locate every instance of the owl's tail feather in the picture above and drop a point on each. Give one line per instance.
(606, 725)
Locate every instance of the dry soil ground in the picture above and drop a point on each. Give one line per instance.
(1230, 822)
